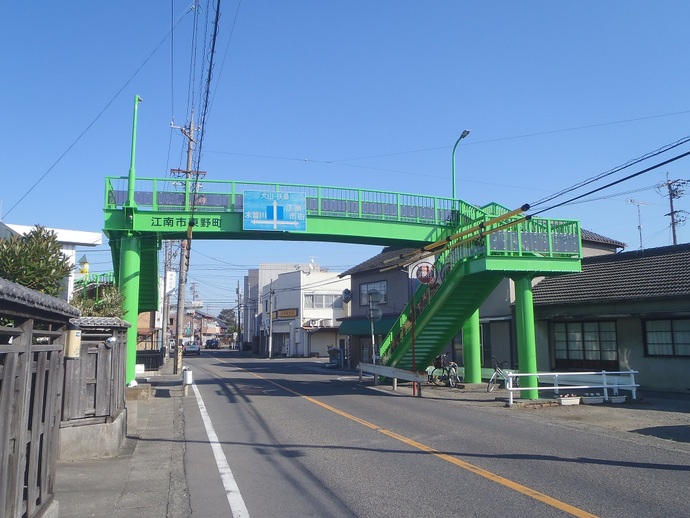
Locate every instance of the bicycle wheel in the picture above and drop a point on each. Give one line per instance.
(436, 377)
(493, 382)
(516, 382)
(453, 378)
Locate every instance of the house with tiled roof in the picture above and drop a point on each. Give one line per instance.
(625, 311)
(395, 288)
(596, 244)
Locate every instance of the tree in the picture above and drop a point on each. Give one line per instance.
(105, 302)
(35, 260)
(228, 317)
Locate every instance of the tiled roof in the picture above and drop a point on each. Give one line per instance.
(378, 261)
(13, 293)
(641, 274)
(588, 235)
(100, 322)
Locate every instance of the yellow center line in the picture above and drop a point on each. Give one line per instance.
(532, 493)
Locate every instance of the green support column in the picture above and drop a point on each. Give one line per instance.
(471, 349)
(527, 343)
(130, 262)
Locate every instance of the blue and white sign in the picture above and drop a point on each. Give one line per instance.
(270, 210)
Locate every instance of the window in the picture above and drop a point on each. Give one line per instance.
(365, 288)
(667, 337)
(585, 345)
(323, 301)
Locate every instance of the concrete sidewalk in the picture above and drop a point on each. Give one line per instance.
(147, 478)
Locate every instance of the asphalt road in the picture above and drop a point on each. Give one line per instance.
(295, 439)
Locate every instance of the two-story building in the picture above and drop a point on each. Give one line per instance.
(301, 311)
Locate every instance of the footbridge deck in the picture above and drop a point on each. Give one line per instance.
(165, 206)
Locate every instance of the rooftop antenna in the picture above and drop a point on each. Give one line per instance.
(639, 216)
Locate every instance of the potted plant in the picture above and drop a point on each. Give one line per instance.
(592, 399)
(568, 399)
(617, 399)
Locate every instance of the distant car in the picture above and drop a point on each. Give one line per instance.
(212, 344)
(191, 348)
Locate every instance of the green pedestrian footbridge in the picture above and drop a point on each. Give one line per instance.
(473, 249)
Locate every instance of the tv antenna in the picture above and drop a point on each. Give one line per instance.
(639, 216)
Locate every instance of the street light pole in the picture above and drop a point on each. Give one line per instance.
(462, 136)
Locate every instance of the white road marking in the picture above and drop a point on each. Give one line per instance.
(237, 507)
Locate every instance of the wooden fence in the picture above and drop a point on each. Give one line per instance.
(95, 382)
(33, 331)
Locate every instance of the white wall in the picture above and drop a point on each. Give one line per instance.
(312, 329)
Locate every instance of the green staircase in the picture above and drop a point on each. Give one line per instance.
(481, 253)
(441, 312)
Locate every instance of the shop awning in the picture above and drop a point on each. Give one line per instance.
(361, 326)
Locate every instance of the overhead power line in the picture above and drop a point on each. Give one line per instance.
(98, 116)
(610, 172)
(634, 175)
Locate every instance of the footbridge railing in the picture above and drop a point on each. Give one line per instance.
(188, 194)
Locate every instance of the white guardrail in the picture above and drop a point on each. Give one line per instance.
(395, 374)
(605, 380)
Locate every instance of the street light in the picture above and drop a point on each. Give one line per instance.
(462, 136)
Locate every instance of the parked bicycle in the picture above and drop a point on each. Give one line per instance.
(444, 372)
(499, 375)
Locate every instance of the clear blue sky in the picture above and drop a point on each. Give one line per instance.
(355, 94)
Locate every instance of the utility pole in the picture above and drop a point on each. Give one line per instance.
(675, 191)
(270, 319)
(166, 298)
(185, 249)
(239, 306)
(194, 293)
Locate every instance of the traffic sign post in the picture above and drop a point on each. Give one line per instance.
(375, 314)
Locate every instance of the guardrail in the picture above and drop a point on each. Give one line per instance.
(394, 374)
(607, 380)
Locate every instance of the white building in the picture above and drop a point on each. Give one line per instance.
(69, 241)
(301, 316)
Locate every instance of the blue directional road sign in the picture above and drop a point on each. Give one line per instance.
(270, 210)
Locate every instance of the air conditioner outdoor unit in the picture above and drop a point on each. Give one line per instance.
(314, 323)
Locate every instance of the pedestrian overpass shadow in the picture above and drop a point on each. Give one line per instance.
(678, 433)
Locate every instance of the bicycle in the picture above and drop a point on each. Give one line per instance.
(444, 372)
(499, 374)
